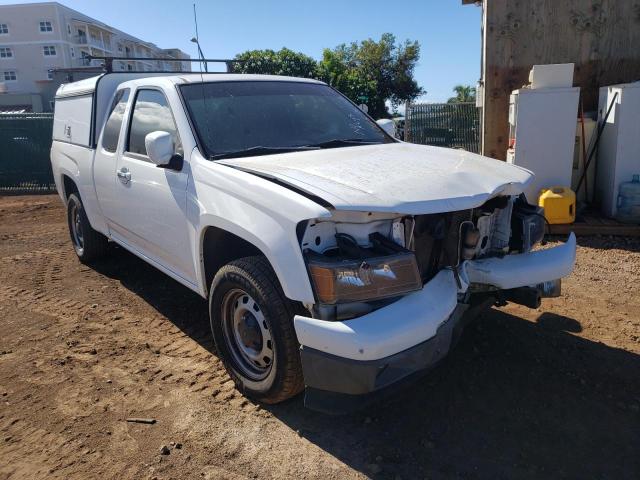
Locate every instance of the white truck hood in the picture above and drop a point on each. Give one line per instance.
(395, 178)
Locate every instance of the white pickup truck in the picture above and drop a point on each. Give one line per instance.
(335, 258)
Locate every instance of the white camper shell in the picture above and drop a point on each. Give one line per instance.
(81, 107)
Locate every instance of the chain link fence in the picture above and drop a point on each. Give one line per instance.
(25, 142)
(453, 125)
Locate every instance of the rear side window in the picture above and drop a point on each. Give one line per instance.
(111, 133)
(72, 119)
(151, 112)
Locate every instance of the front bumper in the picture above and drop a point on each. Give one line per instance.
(337, 385)
(366, 354)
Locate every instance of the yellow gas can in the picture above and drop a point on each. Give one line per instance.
(559, 204)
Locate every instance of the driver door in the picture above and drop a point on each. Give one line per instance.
(149, 213)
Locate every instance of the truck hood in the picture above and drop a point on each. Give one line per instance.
(395, 177)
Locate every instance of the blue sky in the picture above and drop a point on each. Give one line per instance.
(448, 32)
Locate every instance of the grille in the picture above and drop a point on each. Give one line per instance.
(436, 237)
(436, 240)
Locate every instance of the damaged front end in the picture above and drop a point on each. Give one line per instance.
(394, 291)
(359, 262)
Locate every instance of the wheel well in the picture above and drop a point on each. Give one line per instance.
(220, 247)
(69, 186)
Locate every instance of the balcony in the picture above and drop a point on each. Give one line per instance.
(94, 42)
(85, 62)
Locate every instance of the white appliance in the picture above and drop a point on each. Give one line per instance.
(619, 147)
(542, 130)
(551, 76)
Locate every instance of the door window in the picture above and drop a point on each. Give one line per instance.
(151, 112)
(111, 133)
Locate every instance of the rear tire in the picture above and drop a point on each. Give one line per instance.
(252, 324)
(88, 243)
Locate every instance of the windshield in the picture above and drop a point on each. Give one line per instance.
(263, 117)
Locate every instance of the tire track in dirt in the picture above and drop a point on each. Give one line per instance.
(192, 364)
(23, 237)
(51, 457)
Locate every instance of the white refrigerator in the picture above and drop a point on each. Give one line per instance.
(542, 131)
(619, 147)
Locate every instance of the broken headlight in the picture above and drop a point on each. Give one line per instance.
(357, 274)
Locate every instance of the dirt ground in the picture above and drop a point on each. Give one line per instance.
(551, 393)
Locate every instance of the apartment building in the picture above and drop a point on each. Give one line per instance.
(45, 44)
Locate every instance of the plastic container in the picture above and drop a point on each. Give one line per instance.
(559, 204)
(628, 209)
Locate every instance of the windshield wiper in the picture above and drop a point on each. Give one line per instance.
(261, 150)
(343, 142)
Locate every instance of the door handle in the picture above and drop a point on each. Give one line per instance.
(124, 175)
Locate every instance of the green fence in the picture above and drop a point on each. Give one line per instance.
(455, 125)
(25, 142)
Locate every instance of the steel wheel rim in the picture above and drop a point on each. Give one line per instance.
(76, 229)
(247, 335)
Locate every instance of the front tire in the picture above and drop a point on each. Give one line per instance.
(87, 242)
(252, 324)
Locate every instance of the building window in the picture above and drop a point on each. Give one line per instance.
(49, 75)
(69, 29)
(6, 52)
(73, 52)
(46, 27)
(129, 67)
(10, 76)
(4, 29)
(49, 50)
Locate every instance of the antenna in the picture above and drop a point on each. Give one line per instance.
(206, 69)
(197, 42)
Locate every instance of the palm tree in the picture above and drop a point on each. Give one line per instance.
(464, 93)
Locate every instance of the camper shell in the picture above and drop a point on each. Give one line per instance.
(81, 107)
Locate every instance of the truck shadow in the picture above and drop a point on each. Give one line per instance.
(515, 399)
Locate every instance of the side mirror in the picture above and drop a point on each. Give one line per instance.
(387, 125)
(159, 147)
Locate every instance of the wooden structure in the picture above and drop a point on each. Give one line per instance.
(593, 223)
(602, 38)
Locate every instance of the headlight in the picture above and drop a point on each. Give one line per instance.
(344, 281)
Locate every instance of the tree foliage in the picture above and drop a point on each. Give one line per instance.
(378, 70)
(269, 62)
(335, 70)
(464, 93)
(370, 72)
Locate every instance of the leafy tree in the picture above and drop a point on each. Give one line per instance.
(370, 72)
(464, 93)
(335, 70)
(378, 70)
(269, 62)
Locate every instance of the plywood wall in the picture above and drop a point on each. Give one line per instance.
(602, 38)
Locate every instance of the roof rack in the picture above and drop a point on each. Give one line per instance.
(108, 61)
